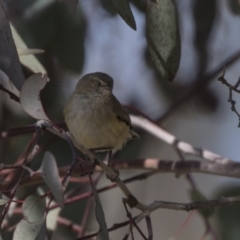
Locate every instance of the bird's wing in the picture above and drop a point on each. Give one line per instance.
(120, 112)
(122, 115)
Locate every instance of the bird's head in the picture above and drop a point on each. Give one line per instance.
(95, 82)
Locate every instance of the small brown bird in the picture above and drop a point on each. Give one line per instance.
(95, 117)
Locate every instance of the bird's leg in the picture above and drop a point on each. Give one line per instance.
(109, 158)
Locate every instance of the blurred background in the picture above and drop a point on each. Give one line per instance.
(95, 38)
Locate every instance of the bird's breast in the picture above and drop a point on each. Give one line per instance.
(95, 125)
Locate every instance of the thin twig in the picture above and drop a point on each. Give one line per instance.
(149, 227)
(231, 88)
(199, 85)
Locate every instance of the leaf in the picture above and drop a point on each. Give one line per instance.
(163, 37)
(29, 95)
(3, 202)
(29, 51)
(204, 15)
(26, 59)
(9, 61)
(50, 175)
(42, 233)
(197, 196)
(3, 199)
(52, 217)
(72, 4)
(28, 231)
(234, 6)
(34, 218)
(124, 10)
(100, 216)
(34, 208)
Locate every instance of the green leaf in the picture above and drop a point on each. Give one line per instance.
(9, 61)
(34, 219)
(28, 231)
(34, 208)
(29, 95)
(124, 10)
(100, 216)
(234, 6)
(197, 196)
(49, 171)
(26, 57)
(3, 199)
(52, 217)
(163, 37)
(3, 202)
(72, 4)
(41, 233)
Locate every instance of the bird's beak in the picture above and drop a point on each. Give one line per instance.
(107, 88)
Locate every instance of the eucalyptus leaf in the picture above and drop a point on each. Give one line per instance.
(34, 218)
(3, 199)
(72, 4)
(9, 61)
(28, 231)
(42, 233)
(163, 38)
(25, 54)
(29, 51)
(29, 95)
(234, 6)
(3, 202)
(100, 216)
(52, 217)
(34, 208)
(124, 10)
(49, 171)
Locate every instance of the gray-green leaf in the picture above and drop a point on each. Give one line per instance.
(124, 10)
(100, 216)
(34, 208)
(9, 61)
(34, 218)
(28, 231)
(72, 4)
(163, 37)
(49, 171)
(29, 96)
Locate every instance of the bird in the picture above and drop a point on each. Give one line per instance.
(95, 117)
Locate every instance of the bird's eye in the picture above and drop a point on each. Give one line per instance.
(96, 82)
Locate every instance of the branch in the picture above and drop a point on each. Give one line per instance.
(231, 88)
(132, 201)
(170, 139)
(199, 85)
(175, 206)
(230, 169)
(224, 201)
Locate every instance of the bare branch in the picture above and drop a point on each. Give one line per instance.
(192, 206)
(199, 85)
(170, 139)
